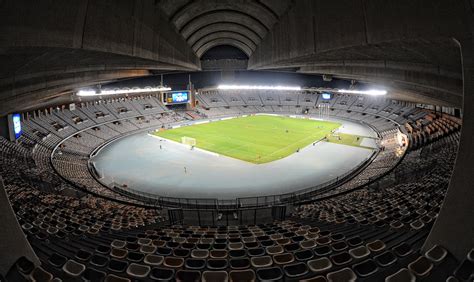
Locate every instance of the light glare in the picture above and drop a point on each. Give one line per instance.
(371, 92)
(257, 87)
(121, 91)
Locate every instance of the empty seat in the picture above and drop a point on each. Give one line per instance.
(262, 261)
(173, 262)
(195, 264)
(83, 255)
(138, 270)
(417, 224)
(339, 246)
(24, 265)
(308, 244)
(118, 253)
(267, 243)
(401, 275)
(73, 268)
(354, 241)
(239, 263)
(237, 253)
(135, 256)
(323, 240)
(295, 270)
(359, 252)
(236, 246)
(436, 254)
(144, 241)
(284, 258)
(99, 260)
(211, 276)
(153, 260)
(269, 274)
(217, 264)
(117, 265)
(320, 265)
(188, 275)
(385, 259)
(465, 270)
(322, 251)
(118, 244)
(147, 249)
(242, 275)
(39, 274)
(163, 251)
(341, 258)
(91, 274)
(162, 274)
(132, 247)
(470, 255)
(365, 268)
(218, 254)
(402, 250)
(273, 250)
(256, 252)
(200, 253)
(421, 266)
(57, 260)
(181, 252)
(376, 246)
(303, 255)
(345, 274)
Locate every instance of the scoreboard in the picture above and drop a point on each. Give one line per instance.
(10, 126)
(176, 97)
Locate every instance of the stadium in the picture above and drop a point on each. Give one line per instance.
(244, 140)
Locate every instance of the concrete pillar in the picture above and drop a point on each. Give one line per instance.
(454, 228)
(13, 243)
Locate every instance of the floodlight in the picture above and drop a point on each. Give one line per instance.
(372, 92)
(257, 87)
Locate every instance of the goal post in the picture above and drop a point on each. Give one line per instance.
(188, 141)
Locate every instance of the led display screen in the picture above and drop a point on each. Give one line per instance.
(326, 96)
(179, 97)
(16, 118)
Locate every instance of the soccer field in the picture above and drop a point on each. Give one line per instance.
(257, 139)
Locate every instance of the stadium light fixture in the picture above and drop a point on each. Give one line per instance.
(257, 87)
(372, 92)
(90, 92)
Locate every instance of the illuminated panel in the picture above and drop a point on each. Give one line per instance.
(372, 92)
(326, 96)
(257, 87)
(179, 97)
(16, 125)
(176, 97)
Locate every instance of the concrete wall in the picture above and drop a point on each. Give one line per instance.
(337, 36)
(454, 227)
(44, 43)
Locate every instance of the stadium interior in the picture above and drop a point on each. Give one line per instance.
(236, 140)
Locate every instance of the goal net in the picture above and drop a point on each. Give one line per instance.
(188, 141)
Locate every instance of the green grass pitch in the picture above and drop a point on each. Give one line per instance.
(257, 139)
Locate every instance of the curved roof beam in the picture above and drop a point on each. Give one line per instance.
(223, 41)
(224, 26)
(224, 34)
(202, 7)
(224, 16)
